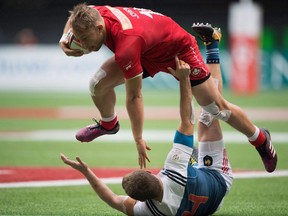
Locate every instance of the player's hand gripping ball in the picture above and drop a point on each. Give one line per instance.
(74, 43)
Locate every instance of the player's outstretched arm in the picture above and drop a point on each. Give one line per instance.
(121, 203)
(182, 72)
(135, 109)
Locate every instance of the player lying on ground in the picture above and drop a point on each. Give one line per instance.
(141, 50)
(180, 188)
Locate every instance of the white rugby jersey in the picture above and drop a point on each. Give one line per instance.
(186, 189)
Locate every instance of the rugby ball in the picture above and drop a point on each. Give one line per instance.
(75, 43)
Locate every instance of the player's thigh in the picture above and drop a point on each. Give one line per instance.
(207, 93)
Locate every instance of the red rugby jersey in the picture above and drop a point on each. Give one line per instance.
(144, 38)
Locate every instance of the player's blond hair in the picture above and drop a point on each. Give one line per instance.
(141, 185)
(83, 17)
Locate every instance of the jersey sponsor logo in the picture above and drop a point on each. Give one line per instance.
(195, 72)
(127, 66)
(207, 160)
(123, 19)
(175, 157)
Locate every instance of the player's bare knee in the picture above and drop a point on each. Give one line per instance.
(214, 110)
(94, 80)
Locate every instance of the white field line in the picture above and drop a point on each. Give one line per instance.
(118, 180)
(122, 136)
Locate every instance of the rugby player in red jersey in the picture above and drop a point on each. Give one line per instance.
(144, 43)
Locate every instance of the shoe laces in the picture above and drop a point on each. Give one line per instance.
(94, 126)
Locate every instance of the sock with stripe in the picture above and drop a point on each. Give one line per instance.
(212, 53)
(258, 138)
(110, 122)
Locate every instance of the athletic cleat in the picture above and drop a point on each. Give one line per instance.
(91, 132)
(268, 153)
(207, 33)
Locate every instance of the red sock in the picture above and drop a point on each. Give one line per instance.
(260, 140)
(109, 125)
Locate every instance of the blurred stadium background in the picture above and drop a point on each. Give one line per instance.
(40, 22)
(35, 75)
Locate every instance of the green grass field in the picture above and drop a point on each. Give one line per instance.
(257, 196)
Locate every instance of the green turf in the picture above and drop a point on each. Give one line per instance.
(257, 197)
(267, 196)
(95, 154)
(156, 98)
(68, 124)
(242, 156)
(70, 201)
